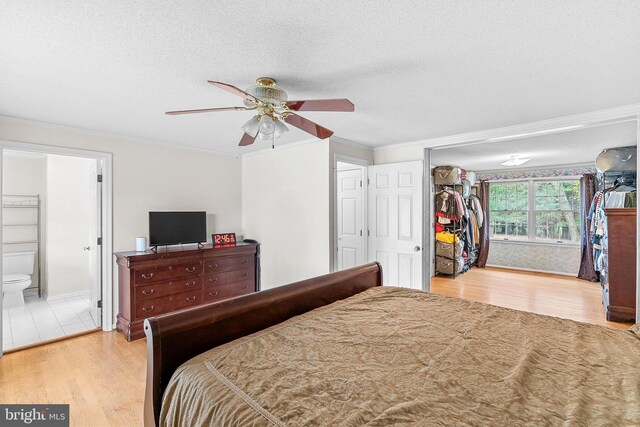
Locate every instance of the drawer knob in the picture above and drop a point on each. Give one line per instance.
(170, 267)
(170, 283)
(147, 309)
(192, 299)
(213, 267)
(244, 261)
(147, 275)
(148, 292)
(244, 274)
(214, 280)
(243, 287)
(191, 285)
(190, 270)
(213, 294)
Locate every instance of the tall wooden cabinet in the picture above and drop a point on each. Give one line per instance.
(619, 277)
(174, 278)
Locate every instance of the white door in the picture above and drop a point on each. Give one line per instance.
(395, 222)
(73, 256)
(350, 195)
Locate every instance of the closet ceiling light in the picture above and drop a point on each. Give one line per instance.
(515, 161)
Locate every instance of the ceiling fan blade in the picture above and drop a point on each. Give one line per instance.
(247, 140)
(341, 104)
(308, 126)
(203, 110)
(234, 90)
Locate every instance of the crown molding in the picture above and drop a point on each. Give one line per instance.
(348, 142)
(525, 130)
(85, 131)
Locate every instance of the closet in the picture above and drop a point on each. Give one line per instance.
(458, 218)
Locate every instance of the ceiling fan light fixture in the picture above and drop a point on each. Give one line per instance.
(266, 90)
(271, 104)
(515, 161)
(267, 126)
(252, 126)
(280, 128)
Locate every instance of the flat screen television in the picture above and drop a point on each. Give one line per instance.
(174, 228)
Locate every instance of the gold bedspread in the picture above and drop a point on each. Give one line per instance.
(392, 356)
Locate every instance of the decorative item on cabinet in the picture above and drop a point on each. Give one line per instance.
(153, 283)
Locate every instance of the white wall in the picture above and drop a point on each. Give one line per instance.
(397, 155)
(23, 173)
(70, 224)
(285, 206)
(149, 177)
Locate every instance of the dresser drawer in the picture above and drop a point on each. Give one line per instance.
(168, 271)
(155, 306)
(221, 292)
(229, 277)
(171, 287)
(221, 264)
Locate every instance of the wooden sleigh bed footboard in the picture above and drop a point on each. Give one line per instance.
(174, 338)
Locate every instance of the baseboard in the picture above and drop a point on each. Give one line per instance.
(68, 295)
(530, 270)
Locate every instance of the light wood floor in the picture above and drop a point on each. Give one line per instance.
(102, 376)
(553, 295)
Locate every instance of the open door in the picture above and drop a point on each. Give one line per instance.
(350, 221)
(395, 222)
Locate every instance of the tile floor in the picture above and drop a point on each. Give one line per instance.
(40, 320)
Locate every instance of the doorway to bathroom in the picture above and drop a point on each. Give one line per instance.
(51, 246)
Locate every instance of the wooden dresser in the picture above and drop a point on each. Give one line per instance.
(619, 277)
(173, 278)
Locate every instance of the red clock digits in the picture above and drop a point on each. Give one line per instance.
(224, 239)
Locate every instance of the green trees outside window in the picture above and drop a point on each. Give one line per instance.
(535, 210)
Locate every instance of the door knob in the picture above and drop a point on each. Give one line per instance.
(86, 248)
(417, 248)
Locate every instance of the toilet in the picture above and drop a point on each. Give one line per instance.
(17, 268)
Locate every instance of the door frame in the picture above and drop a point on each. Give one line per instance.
(428, 242)
(334, 233)
(105, 164)
(545, 127)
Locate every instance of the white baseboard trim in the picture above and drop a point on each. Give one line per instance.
(533, 271)
(68, 295)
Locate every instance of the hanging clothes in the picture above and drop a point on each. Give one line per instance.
(477, 207)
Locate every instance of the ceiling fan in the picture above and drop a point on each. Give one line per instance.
(270, 103)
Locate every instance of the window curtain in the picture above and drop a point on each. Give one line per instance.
(587, 191)
(483, 252)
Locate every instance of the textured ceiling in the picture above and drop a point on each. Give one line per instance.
(414, 69)
(571, 147)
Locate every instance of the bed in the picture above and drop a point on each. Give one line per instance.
(341, 349)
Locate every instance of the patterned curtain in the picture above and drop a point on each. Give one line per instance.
(587, 191)
(483, 252)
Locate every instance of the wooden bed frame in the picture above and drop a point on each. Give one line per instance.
(174, 338)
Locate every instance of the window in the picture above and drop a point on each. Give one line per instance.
(531, 210)
(509, 210)
(557, 210)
